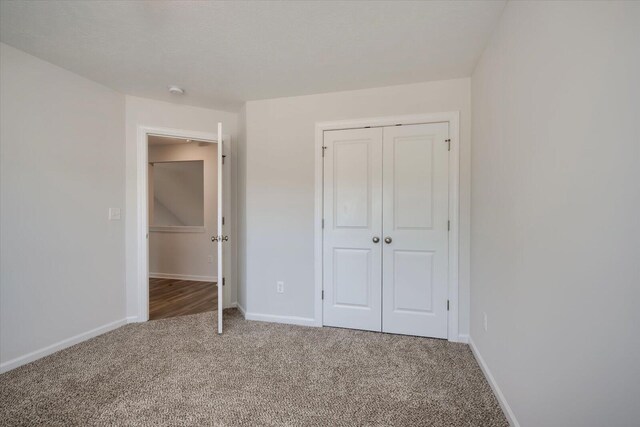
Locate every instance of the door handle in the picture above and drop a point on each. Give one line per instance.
(219, 238)
(376, 239)
(387, 240)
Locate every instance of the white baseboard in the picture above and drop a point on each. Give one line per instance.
(290, 320)
(183, 277)
(132, 319)
(463, 338)
(60, 345)
(494, 386)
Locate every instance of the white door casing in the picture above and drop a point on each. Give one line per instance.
(352, 218)
(415, 221)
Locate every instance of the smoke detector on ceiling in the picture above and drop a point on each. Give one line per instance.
(175, 90)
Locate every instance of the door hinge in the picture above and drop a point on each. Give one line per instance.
(322, 296)
(223, 156)
(448, 141)
(448, 225)
(447, 305)
(223, 281)
(323, 150)
(222, 220)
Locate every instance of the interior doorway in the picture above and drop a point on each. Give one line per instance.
(182, 215)
(184, 222)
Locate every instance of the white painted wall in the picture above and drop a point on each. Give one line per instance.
(278, 166)
(555, 255)
(62, 166)
(187, 254)
(149, 113)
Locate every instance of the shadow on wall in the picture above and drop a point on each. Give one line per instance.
(177, 193)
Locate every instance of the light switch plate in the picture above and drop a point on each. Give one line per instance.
(114, 214)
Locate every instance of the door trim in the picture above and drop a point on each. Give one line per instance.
(453, 118)
(142, 199)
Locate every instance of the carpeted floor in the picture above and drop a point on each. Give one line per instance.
(179, 372)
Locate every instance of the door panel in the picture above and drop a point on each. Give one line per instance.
(412, 183)
(351, 183)
(351, 279)
(220, 213)
(413, 281)
(415, 218)
(352, 217)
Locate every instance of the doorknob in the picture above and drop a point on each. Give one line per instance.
(376, 239)
(387, 240)
(219, 238)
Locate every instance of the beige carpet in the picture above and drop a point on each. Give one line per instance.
(179, 372)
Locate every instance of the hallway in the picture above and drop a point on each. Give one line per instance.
(171, 297)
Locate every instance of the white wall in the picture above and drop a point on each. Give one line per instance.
(149, 113)
(187, 254)
(62, 167)
(555, 255)
(279, 173)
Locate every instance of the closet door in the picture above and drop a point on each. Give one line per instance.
(352, 228)
(415, 229)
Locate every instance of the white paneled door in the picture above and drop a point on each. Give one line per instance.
(415, 223)
(385, 235)
(352, 224)
(221, 239)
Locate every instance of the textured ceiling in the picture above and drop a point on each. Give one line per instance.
(224, 53)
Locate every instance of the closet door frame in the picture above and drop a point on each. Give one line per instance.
(453, 119)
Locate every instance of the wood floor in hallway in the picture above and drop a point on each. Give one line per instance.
(171, 297)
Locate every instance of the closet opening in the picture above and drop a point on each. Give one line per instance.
(387, 240)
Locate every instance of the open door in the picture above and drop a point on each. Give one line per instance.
(221, 237)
